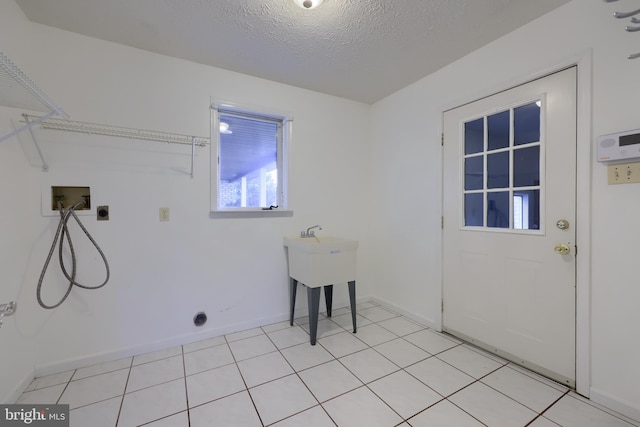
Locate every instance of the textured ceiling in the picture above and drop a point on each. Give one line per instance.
(358, 49)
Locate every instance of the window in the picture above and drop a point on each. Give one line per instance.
(502, 169)
(249, 159)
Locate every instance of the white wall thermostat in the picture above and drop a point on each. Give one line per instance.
(619, 146)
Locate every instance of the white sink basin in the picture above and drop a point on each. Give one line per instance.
(319, 261)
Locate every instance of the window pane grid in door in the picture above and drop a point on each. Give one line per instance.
(502, 172)
(498, 130)
(474, 173)
(474, 136)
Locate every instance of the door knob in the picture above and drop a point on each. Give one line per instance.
(562, 249)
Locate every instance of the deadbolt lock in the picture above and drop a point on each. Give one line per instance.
(562, 224)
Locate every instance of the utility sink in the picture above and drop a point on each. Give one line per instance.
(318, 261)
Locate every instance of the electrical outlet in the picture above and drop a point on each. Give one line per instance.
(164, 214)
(624, 173)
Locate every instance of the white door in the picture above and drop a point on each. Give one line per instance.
(509, 224)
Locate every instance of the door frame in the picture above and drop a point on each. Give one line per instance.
(583, 62)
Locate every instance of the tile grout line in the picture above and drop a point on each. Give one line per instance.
(408, 420)
(186, 389)
(510, 397)
(296, 373)
(400, 369)
(101, 373)
(462, 409)
(246, 387)
(279, 350)
(124, 393)
(364, 385)
(65, 388)
(476, 380)
(479, 380)
(444, 397)
(235, 362)
(505, 366)
(547, 408)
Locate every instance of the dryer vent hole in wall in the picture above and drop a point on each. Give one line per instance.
(103, 213)
(200, 319)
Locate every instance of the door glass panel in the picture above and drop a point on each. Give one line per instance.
(526, 167)
(498, 170)
(501, 174)
(474, 136)
(474, 173)
(498, 209)
(526, 210)
(526, 124)
(498, 131)
(473, 209)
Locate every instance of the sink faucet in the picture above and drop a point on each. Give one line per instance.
(310, 232)
(8, 309)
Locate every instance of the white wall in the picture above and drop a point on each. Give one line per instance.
(383, 186)
(161, 273)
(17, 237)
(17, 345)
(406, 158)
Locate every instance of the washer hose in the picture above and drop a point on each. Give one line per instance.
(61, 233)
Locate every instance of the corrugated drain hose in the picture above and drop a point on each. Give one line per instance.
(61, 233)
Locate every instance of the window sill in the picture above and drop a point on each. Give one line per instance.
(251, 213)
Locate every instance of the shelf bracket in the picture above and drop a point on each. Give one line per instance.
(29, 125)
(193, 153)
(45, 166)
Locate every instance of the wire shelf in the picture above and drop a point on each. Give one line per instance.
(118, 131)
(19, 91)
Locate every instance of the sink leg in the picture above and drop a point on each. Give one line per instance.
(313, 298)
(328, 298)
(352, 299)
(293, 287)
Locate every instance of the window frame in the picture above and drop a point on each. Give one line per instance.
(283, 145)
(541, 187)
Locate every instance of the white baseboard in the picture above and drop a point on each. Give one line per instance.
(622, 407)
(411, 315)
(20, 388)
(109, 356)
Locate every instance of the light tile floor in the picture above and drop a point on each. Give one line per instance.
(393, 372)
